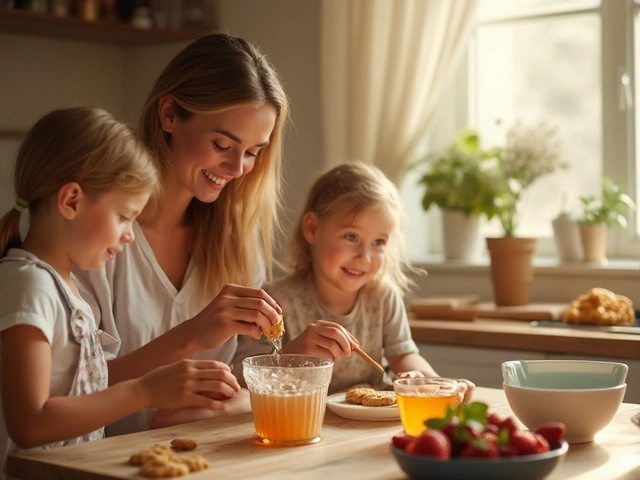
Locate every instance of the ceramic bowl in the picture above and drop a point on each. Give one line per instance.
(524, 467)
(584, 395)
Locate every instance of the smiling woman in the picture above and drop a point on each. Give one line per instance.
(214, 121)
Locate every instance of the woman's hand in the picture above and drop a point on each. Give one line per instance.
(239, 403)
(189, 383)
(237, 310)
(323, 339)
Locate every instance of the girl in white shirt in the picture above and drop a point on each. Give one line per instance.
(214, 121)
(84, 177)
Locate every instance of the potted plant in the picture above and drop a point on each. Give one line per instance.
(599, 215)
(530, 153)
(463, 181)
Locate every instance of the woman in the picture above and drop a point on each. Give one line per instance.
(214, 120)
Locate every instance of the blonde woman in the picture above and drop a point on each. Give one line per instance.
(214, 121)
(346, 274)
(84, 177)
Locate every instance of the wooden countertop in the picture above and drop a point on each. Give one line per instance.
(348, 449)
(520, 335)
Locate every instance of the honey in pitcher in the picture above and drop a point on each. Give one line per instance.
(415, 409)
(289, 419)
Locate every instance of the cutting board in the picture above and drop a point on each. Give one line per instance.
(468, 307)
(533, 311)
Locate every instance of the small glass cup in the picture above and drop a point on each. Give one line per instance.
(288, 396)
(422, 398)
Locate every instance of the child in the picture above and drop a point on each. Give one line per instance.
(346, 267)
(84, 177)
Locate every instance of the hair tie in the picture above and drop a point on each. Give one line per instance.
(20, 205)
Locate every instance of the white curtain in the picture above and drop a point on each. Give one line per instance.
(384, 66)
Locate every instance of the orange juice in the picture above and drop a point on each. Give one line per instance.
(415, 409)
(289, 419)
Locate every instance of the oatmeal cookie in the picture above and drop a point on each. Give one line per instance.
(155, 452)
(379, 399)
(164, 468)
(184, 444)
(194, 462)
(354, 395)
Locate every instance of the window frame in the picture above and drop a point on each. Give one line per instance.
(618, 127)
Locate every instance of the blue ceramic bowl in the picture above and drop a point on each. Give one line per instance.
(584, 395)
(524, 467)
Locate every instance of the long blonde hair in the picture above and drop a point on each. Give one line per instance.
(215, 73)
(346, 191)
(80, 144)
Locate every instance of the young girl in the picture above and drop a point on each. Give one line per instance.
(84, 177)
(214, 121)
(346, 268)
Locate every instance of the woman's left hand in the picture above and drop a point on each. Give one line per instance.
(239, 403)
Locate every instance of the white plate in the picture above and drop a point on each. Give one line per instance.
(338, 405)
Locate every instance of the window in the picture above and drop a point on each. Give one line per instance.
(568, 63)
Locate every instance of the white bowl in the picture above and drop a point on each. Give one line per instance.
(584, 395)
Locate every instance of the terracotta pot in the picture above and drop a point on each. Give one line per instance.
(461, 235)
(511, 269)
(594, 243)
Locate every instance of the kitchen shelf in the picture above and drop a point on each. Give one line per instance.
(25, 22)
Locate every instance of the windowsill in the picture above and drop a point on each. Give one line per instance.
(546, 265)
(553, 282)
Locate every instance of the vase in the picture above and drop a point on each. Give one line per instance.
(594, 243)
(511, 269)
(461, 235)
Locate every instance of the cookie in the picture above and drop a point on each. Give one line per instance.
(194, 462)
(355, 395)
(155, 452)
(379, 399)
(184, 444)
(164, 468)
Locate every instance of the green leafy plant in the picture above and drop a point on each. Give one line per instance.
(463, 177)
(529, 154)
(611, 209)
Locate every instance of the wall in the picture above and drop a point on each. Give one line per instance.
(40, 74)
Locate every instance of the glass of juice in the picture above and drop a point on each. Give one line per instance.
(288, 396)
(422, 398)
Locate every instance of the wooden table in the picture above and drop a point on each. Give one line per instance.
(348, 449)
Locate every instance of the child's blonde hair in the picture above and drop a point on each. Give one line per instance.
(80, 144)
(346, 191)
(216, 73)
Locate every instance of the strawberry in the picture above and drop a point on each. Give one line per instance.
(491, 428)
(553, 432)
(525, 442)
(431, 442)
(510, 424)
(508, 451)
(494, 419)
(401, 440)
(479, 449)
(543, 445)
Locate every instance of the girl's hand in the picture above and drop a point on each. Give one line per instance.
(323, 339)
(189, 383)
(237, 310)
(465, 389)
(239, 403)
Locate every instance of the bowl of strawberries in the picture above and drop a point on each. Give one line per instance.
(471, 442)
